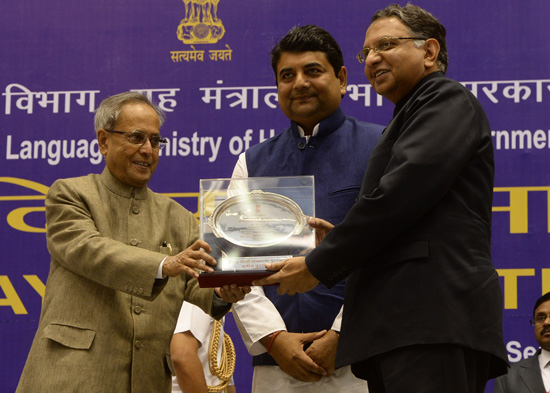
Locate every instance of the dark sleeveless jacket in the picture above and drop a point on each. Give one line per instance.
(337, 157)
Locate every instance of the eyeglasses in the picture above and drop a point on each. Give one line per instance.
(138, 137)
(382, 45)
(539, 319)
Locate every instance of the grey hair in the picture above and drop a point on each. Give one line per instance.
(420, 23)
(108, 112)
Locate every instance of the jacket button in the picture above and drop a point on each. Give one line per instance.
(138, 344)
(301, 145)
(135, 209)
(138, 309)
(134, 242)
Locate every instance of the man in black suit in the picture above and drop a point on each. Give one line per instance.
(423, 304)
(532, 375)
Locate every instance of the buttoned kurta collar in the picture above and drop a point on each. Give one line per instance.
(326, 127)
(124, 190)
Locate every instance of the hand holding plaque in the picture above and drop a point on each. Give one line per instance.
(253, 221)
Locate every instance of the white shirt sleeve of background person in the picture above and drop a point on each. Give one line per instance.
(256, 316)
(196, 321)
(192, 319)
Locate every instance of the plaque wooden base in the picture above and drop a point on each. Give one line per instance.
(218, 279)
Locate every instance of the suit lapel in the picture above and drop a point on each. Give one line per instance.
(530, 374)
(378, 161)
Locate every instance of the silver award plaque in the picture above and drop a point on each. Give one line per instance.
(257, 219)
(250, 222)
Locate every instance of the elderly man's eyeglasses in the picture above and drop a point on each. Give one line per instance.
(383, 44)
(138, 137)
(539, 319)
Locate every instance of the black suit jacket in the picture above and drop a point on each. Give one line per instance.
(416, 244)
(523, 377)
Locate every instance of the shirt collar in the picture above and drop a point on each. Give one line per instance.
(303, 134)
(544, 357)
(326, 127)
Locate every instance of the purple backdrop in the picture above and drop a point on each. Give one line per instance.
(213, 77)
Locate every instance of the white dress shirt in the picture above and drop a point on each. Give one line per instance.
(544, 360)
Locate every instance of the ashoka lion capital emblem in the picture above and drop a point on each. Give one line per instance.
(201, 24)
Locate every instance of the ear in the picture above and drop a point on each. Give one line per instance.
(102, 139)
(431, 48)
(343, 77)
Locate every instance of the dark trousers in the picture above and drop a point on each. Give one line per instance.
(439, 368)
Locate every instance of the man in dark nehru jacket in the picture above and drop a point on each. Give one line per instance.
(324, 142)
(532, 375)
(423, 304)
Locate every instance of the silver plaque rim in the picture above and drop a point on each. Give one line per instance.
(257, 196)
